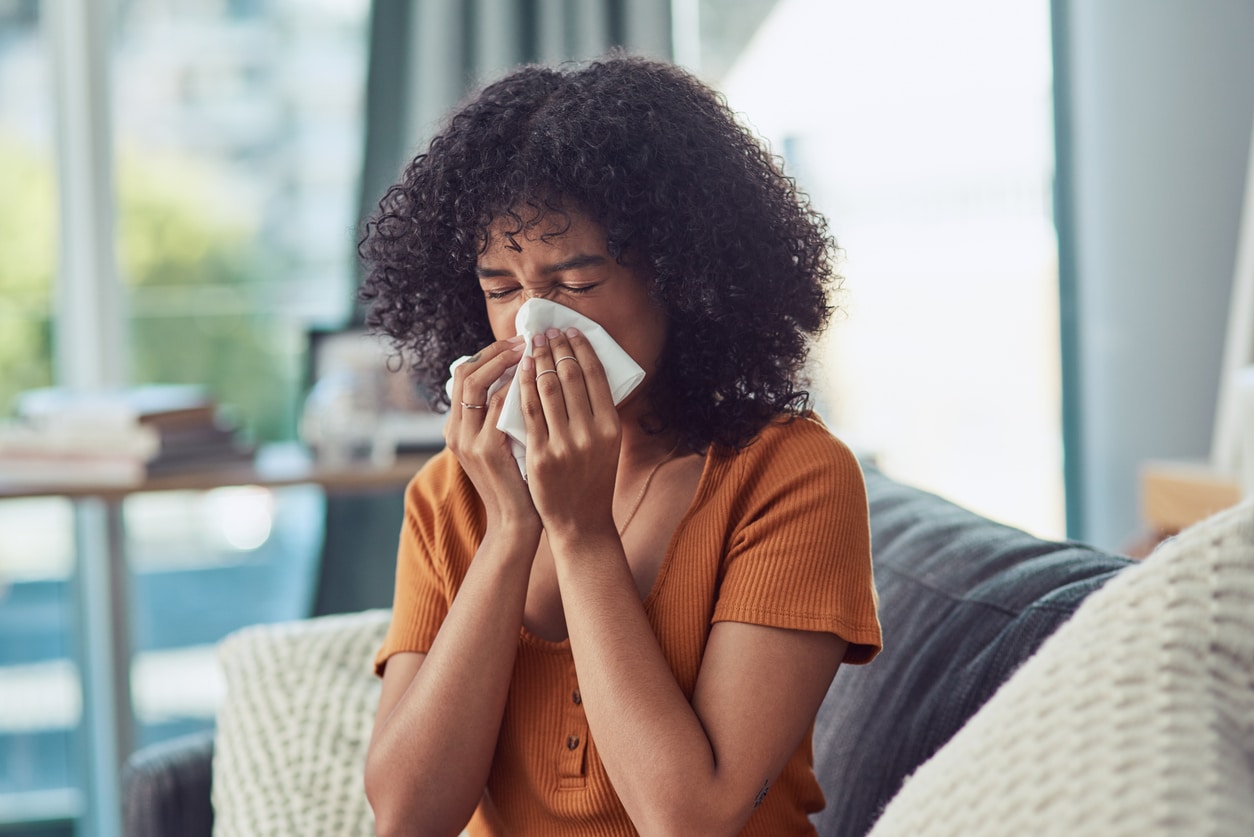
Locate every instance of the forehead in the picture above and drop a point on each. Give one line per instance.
(554, 231)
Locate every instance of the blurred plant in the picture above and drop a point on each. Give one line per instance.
(199, 277)
(27, 254)
(196, 276)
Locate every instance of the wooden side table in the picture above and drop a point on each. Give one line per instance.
(1178, 493)
(101, 581)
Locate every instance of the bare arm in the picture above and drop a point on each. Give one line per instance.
(440, 713)
(678, 767)
(682, 768)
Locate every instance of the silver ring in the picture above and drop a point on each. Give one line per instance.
(565, 357)
(546, 372)
(472, 406)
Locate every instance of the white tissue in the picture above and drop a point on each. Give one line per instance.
(535, 316)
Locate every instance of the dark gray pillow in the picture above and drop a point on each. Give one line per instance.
(963, 602)
(166, 789)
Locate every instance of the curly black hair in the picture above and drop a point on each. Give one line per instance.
(739, 260)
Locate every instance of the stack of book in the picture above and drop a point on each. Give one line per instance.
(115, 438)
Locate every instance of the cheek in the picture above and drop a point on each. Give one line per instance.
(643, 336)
(501, 319)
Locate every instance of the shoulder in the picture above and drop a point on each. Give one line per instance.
(434, 480)
(792, 448)
(442, 487)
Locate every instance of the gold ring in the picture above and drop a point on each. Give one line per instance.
(472, 406)
(546, 372)
(565, 357)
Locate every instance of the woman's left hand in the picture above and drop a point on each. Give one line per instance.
(573, 433)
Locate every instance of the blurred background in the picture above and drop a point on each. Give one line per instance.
(1037, 203)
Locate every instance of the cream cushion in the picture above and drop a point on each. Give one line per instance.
(1135, 718)
(290, 750)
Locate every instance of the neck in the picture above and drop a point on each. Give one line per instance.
(640, 450)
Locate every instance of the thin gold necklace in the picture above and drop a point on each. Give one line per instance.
(635, 505)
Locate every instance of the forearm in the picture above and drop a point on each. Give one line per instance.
(430, 757)
(651, 741)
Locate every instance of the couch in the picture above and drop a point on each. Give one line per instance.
(1111, 665)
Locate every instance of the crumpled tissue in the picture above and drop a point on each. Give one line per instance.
(535, 316)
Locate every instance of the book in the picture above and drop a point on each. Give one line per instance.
(117, 437)
(21, 439)
(157, 405)
(59, 471)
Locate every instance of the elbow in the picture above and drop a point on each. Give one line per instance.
(398, 811)
(686, 818)
(690, 826)
(388, 820)
(391, 822)
(384, 826)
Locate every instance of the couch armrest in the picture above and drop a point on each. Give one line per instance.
(165, 789)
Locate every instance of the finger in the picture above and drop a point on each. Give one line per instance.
(529, 401)
(547, 382)
(473, 379)
(487, 434)
(566, 364)
(596, 383)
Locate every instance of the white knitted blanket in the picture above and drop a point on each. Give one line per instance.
(289, 754)
(1135, 718)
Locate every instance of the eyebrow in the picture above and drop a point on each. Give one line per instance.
(573, 263)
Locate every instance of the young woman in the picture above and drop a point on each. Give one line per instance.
(635, 638)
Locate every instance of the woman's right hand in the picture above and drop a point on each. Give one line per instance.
(483, 451)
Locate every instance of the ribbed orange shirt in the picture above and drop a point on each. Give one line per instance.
(777, 534)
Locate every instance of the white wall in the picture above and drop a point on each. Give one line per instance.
(923, 131)
(1160, 107)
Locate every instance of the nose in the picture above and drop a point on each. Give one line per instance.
(536, 292)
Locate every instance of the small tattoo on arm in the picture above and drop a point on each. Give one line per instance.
(757, 800)
(474, 357)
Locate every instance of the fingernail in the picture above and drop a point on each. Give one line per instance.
(552, 332)
(572, 332)
(526, 363)
(519, 346)
(539, 340)
(517, 340)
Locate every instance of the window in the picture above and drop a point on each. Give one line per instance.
(923, 132)
(237, 140)
(41, 698)
(28, 211)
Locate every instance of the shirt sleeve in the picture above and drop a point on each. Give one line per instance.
(799, 556)
(421, 598)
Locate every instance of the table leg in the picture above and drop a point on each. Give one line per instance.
(104, 655)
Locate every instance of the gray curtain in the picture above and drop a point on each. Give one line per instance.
(425, 56)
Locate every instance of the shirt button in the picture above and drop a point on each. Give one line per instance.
(576, 697)
(572, 742)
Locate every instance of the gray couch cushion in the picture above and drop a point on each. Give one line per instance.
(963, 603)
(1135, 718)
(166, 789)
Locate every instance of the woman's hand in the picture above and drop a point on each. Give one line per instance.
(483, 451)
(573, 434)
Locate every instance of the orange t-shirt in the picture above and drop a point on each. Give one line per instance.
(777, 534)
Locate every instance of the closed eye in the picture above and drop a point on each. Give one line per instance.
(505, 293)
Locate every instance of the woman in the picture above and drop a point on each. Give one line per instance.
(636, 637)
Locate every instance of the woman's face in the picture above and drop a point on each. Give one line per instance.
(576, 270)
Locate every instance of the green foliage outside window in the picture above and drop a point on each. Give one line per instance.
(26, 261)
(197, 280)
